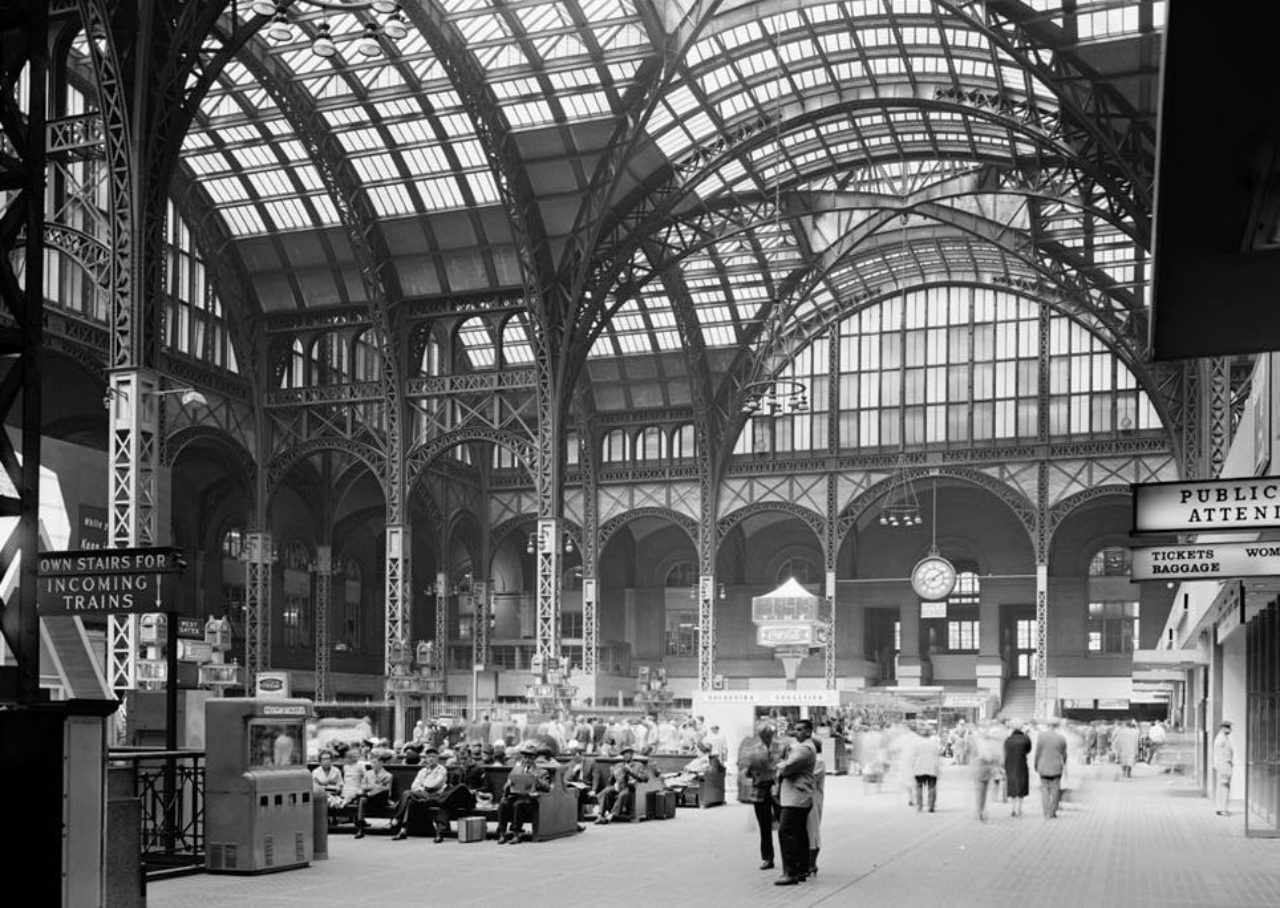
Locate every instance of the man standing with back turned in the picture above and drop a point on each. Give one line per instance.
(1224, 758)
(1050, 760)
(795, 794)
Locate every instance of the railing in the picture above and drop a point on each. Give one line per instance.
(169, 785)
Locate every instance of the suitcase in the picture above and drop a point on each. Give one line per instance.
(470, 829)
(660, 805)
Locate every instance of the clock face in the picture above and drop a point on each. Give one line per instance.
(933, 577)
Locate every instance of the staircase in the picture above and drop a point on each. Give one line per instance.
(1019, 701)
(67, 654)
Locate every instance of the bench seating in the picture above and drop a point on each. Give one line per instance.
(708, 793)
(600, 772)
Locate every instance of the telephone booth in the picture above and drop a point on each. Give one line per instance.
(258, 810)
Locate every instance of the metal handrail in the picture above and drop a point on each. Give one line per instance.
(169, 785)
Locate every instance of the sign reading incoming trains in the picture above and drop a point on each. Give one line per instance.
(104, 581)
(1219, 504)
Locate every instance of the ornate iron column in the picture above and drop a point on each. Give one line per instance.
(398, 625)
(324, 648)
(258, 555)
(1042, 523)
(549, 545)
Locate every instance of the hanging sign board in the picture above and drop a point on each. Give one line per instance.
(1206, 560)
(1219, 504)
(785, 634)
(108, 581)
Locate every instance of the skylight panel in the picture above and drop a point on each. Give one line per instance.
(441, 193)
(483, 187)
(390, 199)
(244, 220)
(587, 106)
(426, 159)
(375, 168)
(635, 343)
(361, 140)
(213, 162)
(325, 212)
(289, 214)
(529, 114)
(230, 189)
(626, 35)
(410, 132)
(719, 336)
(604, 10)
(270, 183)
(667, 340)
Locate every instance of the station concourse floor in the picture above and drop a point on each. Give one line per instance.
(1152, 840)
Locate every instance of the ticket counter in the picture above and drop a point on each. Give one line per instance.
(258, 792)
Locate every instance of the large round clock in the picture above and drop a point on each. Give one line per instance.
(933, 577)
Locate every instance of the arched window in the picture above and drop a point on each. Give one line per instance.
(431, 362)
(651, 445)
(572, 454)
(297, 594)
(517, 350)
(617, 447)
(475, 346)
(802, 569)
(295, 376)
(1112, 561)
(682, 574)
(233, 543)
(368, 357)
(962, 612)
(504, 458)
(682, 443)
(351, 635)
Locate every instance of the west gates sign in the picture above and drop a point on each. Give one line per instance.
(108, 581)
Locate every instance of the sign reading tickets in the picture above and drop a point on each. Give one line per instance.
(105, 581)
(1209, 559)
(1219, 504)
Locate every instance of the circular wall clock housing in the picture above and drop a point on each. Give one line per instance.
(933, 577)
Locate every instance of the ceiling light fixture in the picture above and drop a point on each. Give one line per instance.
(368, 43)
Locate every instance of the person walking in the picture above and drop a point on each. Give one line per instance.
(758, 758)
(1050, 759)
(1124, 744)
(926, 766)
(1224, 757)
(987, 754)
(1017, 747)
(795, 795)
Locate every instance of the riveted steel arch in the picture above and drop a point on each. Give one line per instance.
(1019, 504)
(809, 517)
(422, 455)
(1063, 509)
(280, 465)
(683, 521)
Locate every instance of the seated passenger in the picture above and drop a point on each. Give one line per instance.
(691, 775)
(620, 796)
(377, 788)
(352, 779)
(425, 793)
(520, 794)
(326, 777)
(575, 776)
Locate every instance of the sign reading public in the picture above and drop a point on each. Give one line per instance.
(1219, 504)
(1208, 559)
(106, 581)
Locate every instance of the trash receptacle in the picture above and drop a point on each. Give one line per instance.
(320, 830)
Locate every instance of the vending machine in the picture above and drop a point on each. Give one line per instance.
(258, 797)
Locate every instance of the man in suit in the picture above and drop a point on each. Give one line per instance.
(1050, 760)
(795, 795)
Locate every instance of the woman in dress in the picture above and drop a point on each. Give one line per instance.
(1017, 747)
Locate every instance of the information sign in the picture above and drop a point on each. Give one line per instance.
(1218, 504)
(106, 581)
(1209, 559)
(797, 633)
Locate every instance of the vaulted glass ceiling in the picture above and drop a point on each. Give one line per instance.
(760, 169)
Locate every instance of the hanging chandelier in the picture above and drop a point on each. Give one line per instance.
(367, 42)
(901, 507)
(773, 396)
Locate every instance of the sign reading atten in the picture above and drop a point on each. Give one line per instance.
(105, 581)
(1219, 504)
(1210, 559)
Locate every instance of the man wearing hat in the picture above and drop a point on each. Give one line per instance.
(520, 794)
(620, 795)
(425, 792)
(1224, 758)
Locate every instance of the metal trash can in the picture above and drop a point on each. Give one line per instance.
(320, 828)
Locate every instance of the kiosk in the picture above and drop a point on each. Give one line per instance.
(258, 810)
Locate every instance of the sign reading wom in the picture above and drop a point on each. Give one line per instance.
(1218, 504)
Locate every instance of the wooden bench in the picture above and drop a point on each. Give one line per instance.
(707, 793)
(601, 773)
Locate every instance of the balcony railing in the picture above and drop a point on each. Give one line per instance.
(169, 785)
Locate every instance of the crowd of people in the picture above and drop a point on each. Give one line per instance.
(453, 754)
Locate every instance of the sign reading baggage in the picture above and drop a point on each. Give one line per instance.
(1208, 560)
(1219, 504)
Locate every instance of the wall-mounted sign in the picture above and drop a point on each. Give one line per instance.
(796, 633)
(1113, 703)
(1076, 703)
(1219, 504)
(273, 685)
(933, 609)
(108, 581)
(1210, 559)
(194, 650)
